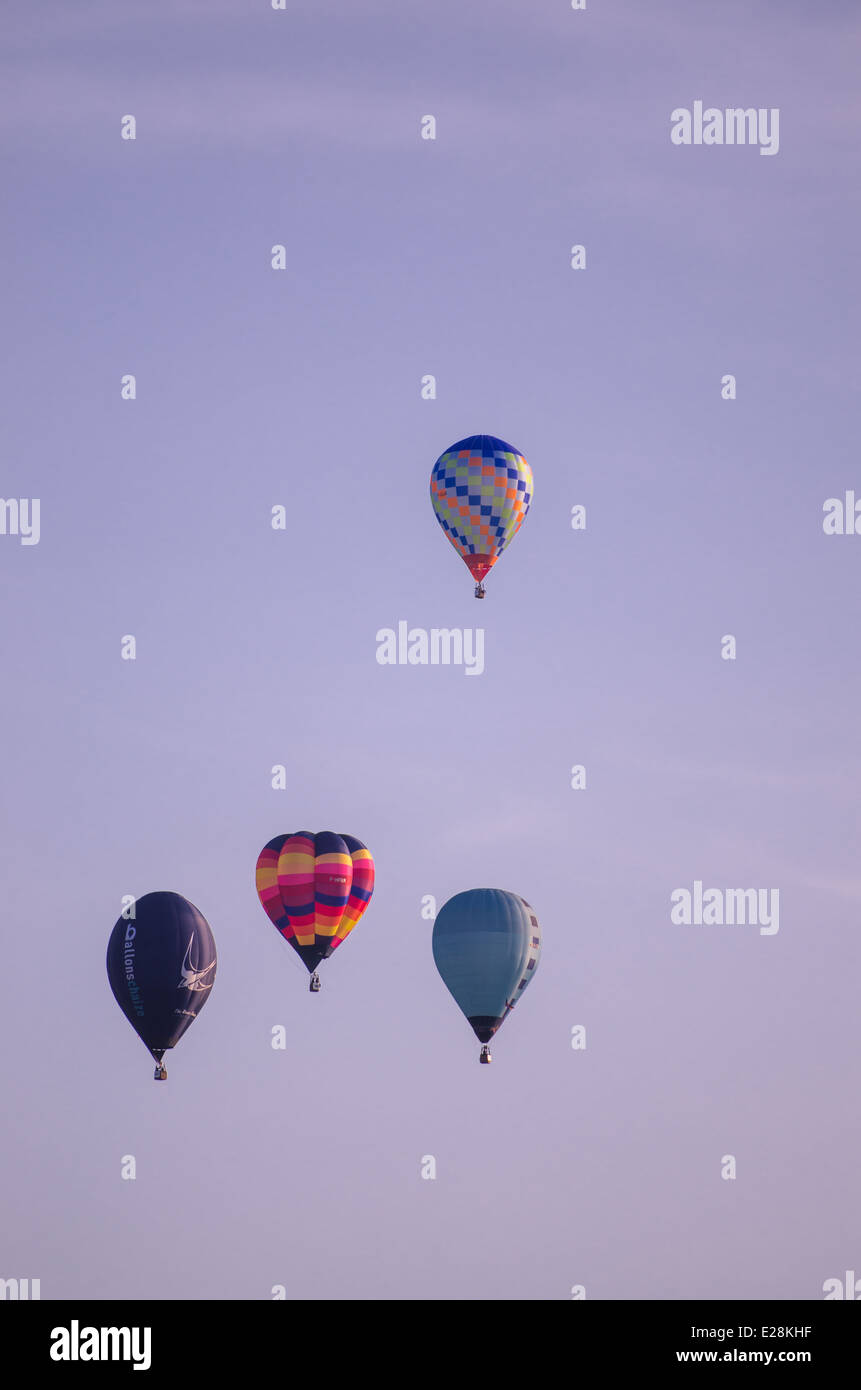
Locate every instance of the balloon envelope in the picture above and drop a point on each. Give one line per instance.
(486, 945)
(315, 888)
(161, 967)
(481, 489)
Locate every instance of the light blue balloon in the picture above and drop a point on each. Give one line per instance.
(486, 945)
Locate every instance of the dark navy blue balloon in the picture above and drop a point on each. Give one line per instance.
(161, 967)
(486, 945)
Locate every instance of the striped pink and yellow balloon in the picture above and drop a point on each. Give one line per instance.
(315, 888)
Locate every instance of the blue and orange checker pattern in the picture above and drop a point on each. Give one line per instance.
(481, 490)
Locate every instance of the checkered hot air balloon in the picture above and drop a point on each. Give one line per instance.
(481, 489)
(315, 888)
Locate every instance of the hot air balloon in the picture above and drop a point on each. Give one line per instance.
(481, 489)
(315, 888)
(486, 945)
(161, 967)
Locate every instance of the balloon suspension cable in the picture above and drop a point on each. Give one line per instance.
(315, 983)
(485, 1054)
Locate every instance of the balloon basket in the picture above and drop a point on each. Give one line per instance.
(485, 1055)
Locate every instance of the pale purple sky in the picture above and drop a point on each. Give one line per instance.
(255, 647)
